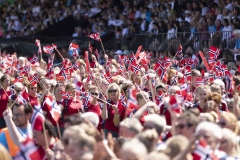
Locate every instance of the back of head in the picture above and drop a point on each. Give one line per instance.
(92, 117)
(213, 128)
(149, 138)
(158, 121)
(176, 145)
(133, 149)
(132, 124)
(157, 155)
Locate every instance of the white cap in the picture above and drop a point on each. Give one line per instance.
(187, 12)
(119, 52)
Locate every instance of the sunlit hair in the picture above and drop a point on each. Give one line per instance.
(149, 138)
(176, 145)
(231, 138)
(217, 98)
(132, 124)
(4, 154)
(158, 122)
(210, 127)
(68, 86)
(117, 88)
(230, 119)
(134, 74)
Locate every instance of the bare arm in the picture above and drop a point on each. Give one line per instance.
(13, 131)
(104, 111)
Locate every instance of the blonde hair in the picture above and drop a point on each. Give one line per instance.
(132, 124)
(158, 121)
(4, 154)
(231, 119)
(118, 89)
(231, 137)
(176, 145)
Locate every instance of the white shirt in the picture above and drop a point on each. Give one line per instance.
(229, 6)
(150, 26)
(188, 19)
(226, 32)
(171, 33)
(220, 17)
(137, 14)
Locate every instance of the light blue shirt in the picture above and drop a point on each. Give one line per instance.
(237, 45)
(25, 132)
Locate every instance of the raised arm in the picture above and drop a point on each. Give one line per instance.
(13, 131)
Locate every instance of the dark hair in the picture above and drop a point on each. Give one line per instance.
(49, 127)
(27, 107)
(56, 86)
(5, 76)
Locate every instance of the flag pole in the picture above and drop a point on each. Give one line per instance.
(102, 45)
(99, 98)
(45, 135)
(58, 51)
(58, 128)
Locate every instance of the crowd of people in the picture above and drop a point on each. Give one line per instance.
(114, 105)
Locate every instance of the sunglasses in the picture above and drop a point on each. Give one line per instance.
(180, 126)
(65, 141)
(112, 91)
(148, 127)
(18, 91)
(222, 123)
(95, 94)
(32, 88)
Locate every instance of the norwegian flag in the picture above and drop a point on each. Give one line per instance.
(108, 77)
(179, 53)
(173, 101)
(86, 99)
(9, 61)
(87, 61)
(90, 76)
(95, 36)
(132, 102)
(78, 84)
(63, 75)
(187, 74)
(123, 101)
(23, 70)
(50, 71)
(229, 82)
(21, 100)
(73, 46)
(90, 48)
(184, 90)
(202, 151)
(199, 81)
(48, 49)
(66, 95)
(37, 119)
(135, 67)
(122, 59)
(138, 51)
(33, 60)
(9, 71)
(53, 108)
(28, 151)
(174, 79)
(34, 79)
(214, 52)
(18, 79)
(38, 44)
(159, 97)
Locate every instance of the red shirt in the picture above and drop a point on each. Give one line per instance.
(96, 109)
(109, 125)
(164, 111)
(3, 101)
(74, 107)
(142, 120)
(33, 100)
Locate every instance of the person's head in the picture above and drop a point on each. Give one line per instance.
(154, 121)
(113, 92)
(125, 87)
(118, 143)
(220, 83)
(38, 134)
(149, 138)
(211, 132)
(216, 88)
(229, 143)
(130, 127)
(203, 92)
(142, 98)
(176, 145)
(92, 117)
(4, 154)
(133, 149)
(136, 78)
(157, 155)
(45, 84)
(104, 85)
(228, 120)
(71, 87)
(32, 90)
(186, 124)
(217, 23)
(195, 74)
(173, 90)
(59, 151)
(81, 145)
(21, 61)
(22, 114)
(18, 87)
(212, 102)
(58, 88)
(93, 90)
(5, 80)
